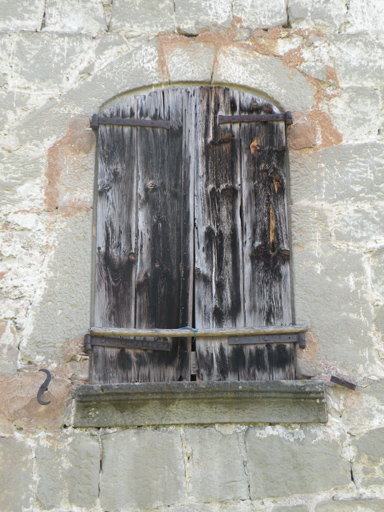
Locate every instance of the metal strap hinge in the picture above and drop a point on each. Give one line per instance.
(138, 343)
(270, 338)
(96, 121)
(257, 118)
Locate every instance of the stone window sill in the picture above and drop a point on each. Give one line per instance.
(200, 403)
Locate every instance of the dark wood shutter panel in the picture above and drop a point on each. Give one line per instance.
(144, 238)
(192, 230)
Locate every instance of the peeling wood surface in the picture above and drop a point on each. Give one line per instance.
(192, 230)
(242, 250)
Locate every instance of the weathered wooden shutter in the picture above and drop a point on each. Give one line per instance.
(144, 237)
(192, 230)
(242, 250)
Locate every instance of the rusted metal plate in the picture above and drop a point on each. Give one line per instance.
(134, 343)
(342, 382)
(256, 118)
(119, 121)
(261, 340)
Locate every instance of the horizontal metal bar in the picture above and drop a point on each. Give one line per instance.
(135, 343)
(199, 333)
(119, 121)
(256, 118)
(262, 339)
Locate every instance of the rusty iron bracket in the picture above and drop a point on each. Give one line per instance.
(257, 118)
(342, 382)
(44, 388)
(270, 338)
(96, 121)
(138, 343)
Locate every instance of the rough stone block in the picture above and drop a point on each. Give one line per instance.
(358, 60)
(70, 172)
(302, 134)
(364, 408)
(16, 170)
(217, 469)
(352, 506)
(63, 312)
(331, 294)
(377, 266)
(314, 66)
(358, 227)
(328, 14)
(139, 17)
(360, 17)
(47, 62)
(370, 447)
(8, 359)
(16, 478)
(260, 14)
(18, 402)
(21, 15)
(189, 62)
(13, 104)
(68, 469)
(193, 16)
(137, 68)
(231, 506)
(293, 508)
(283, 465)
(8, 347)
(24, 250)
(342, 174)
(355, 114)
(285, 86)
(141, 469)
(75, 16)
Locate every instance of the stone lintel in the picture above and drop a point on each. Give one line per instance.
(189, 403)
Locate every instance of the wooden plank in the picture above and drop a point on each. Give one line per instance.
(265, 227)
(186, 333)
(116, 224)
(116, 250)
(158, 196)
(218, 261)
(267, 295)
(161, 230)
(262, 289)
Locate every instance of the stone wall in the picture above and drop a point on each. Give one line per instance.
(60, 62)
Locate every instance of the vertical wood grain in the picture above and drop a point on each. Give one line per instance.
(258, 215)
(192, 230)
(147, 206)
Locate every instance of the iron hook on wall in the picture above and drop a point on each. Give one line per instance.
(43, 388)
